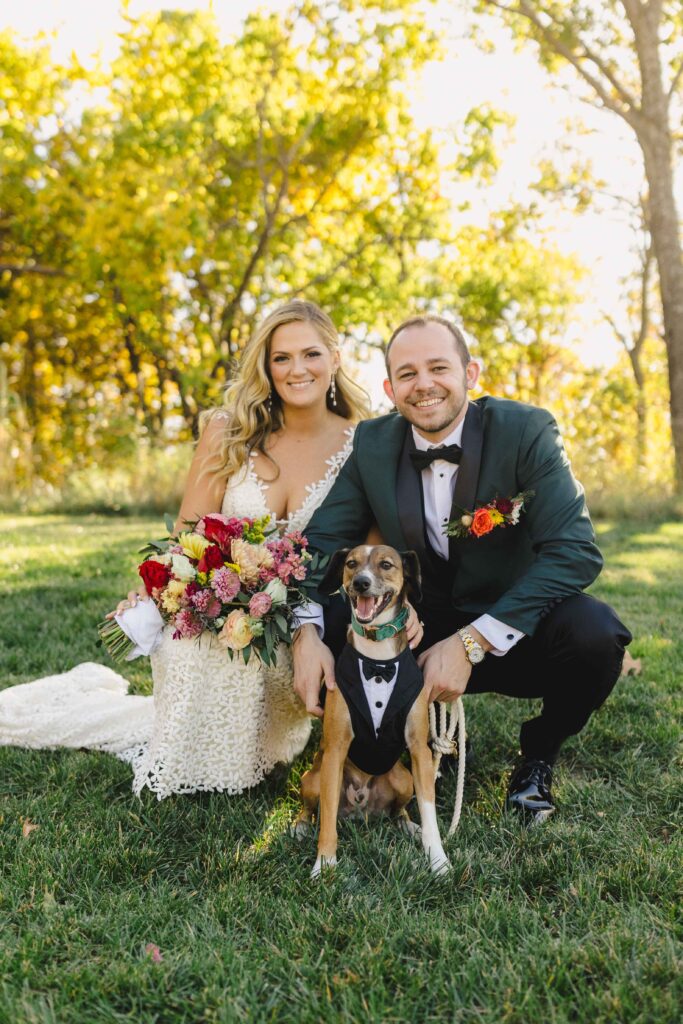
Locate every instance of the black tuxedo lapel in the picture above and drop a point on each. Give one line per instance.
(409, 499)
(351, 685)
(470, 463)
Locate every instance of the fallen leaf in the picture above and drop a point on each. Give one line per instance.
(28, 827)
(631, 666)
(153, 952)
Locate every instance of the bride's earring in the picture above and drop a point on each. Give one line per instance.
(333, 391)
(269, 402)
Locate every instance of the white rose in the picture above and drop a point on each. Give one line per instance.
(277, 591)
(183, 568)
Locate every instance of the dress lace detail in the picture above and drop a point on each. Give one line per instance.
(211, 724)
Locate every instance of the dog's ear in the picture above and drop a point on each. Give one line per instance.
(332, 580)
(412, 575)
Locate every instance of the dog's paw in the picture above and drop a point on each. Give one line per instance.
(440, 865)
(301, 829)
(322, 864)
(411, 828)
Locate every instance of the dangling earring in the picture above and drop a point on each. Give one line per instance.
(333, 391)
(269, 402)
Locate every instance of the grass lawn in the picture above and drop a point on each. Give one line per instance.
(576, 921)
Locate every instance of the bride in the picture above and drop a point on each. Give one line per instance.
(273, 448)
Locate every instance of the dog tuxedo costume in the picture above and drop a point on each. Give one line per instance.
(379, 695)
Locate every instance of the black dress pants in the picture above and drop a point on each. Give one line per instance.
(572, 662)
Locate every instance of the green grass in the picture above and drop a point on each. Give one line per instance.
(575, 921)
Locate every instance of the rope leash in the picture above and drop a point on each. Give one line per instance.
(443, 742)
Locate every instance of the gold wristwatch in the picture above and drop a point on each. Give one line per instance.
(474, 651)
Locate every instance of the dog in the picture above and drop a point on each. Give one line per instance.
(365, 717)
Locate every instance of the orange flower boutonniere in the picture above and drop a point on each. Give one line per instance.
(479, 522)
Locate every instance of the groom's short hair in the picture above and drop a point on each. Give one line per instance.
(422, 321)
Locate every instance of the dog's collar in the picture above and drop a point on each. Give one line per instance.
(383, 632)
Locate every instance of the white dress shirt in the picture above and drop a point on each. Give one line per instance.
(378, 693)
(438, 485)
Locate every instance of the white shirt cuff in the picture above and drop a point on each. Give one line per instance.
(311, 612)
(501, 637)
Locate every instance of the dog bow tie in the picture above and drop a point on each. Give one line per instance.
(373, 670)
(449, 453)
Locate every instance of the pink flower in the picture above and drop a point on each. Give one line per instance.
(260, 604)
(186, 625)
(153, 952)
(213, 610)
(226, 584)
(205, 601)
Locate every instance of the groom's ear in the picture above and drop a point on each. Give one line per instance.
(332, 580)
(412, 575)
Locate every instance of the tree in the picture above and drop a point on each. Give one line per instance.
(630, 55)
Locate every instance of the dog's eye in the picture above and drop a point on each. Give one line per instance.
(386, 565)
(351, 564)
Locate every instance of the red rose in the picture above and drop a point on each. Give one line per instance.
(220, 530)
(211, 559)
(155, 575)
(503, 505)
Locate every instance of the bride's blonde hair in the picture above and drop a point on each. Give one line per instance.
(251, 407)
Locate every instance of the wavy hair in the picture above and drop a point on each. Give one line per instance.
(249, 421)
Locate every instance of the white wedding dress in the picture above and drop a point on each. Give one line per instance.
(211, 724)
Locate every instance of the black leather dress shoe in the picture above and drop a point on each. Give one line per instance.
(529, 792)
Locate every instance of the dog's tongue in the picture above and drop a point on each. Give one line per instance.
(365, 607)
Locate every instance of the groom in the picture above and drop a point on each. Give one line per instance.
(503, 611)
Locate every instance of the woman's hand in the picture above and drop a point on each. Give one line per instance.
(414, 628)
(129, 602)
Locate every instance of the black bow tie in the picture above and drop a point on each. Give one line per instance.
(449, 453)
(372, 670)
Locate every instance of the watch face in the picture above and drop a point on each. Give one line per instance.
(475, 654)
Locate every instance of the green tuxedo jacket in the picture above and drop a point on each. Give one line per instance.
(514, 573)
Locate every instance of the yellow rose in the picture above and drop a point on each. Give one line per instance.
(193, 545)
(251, 559)
(236, 632)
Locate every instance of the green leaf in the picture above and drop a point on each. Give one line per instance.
(169, 523)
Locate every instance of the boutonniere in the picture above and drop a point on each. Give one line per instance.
(499, 512)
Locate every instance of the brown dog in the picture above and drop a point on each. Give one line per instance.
(378, 708)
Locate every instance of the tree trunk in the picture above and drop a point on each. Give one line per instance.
(654, 135)
(641, 408)
(667, 248)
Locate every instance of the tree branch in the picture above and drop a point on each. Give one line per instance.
(675, 82)
(31, 268)
(627, 109)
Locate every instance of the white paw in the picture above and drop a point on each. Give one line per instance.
(440, 865)
(322, 863)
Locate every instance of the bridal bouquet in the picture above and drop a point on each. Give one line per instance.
(223, 575)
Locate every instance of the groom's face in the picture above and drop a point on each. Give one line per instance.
(428, 381)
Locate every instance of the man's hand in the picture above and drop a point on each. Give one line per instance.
(313, 663)
(446, 669)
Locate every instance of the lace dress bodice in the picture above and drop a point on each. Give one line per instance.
(248, 496)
